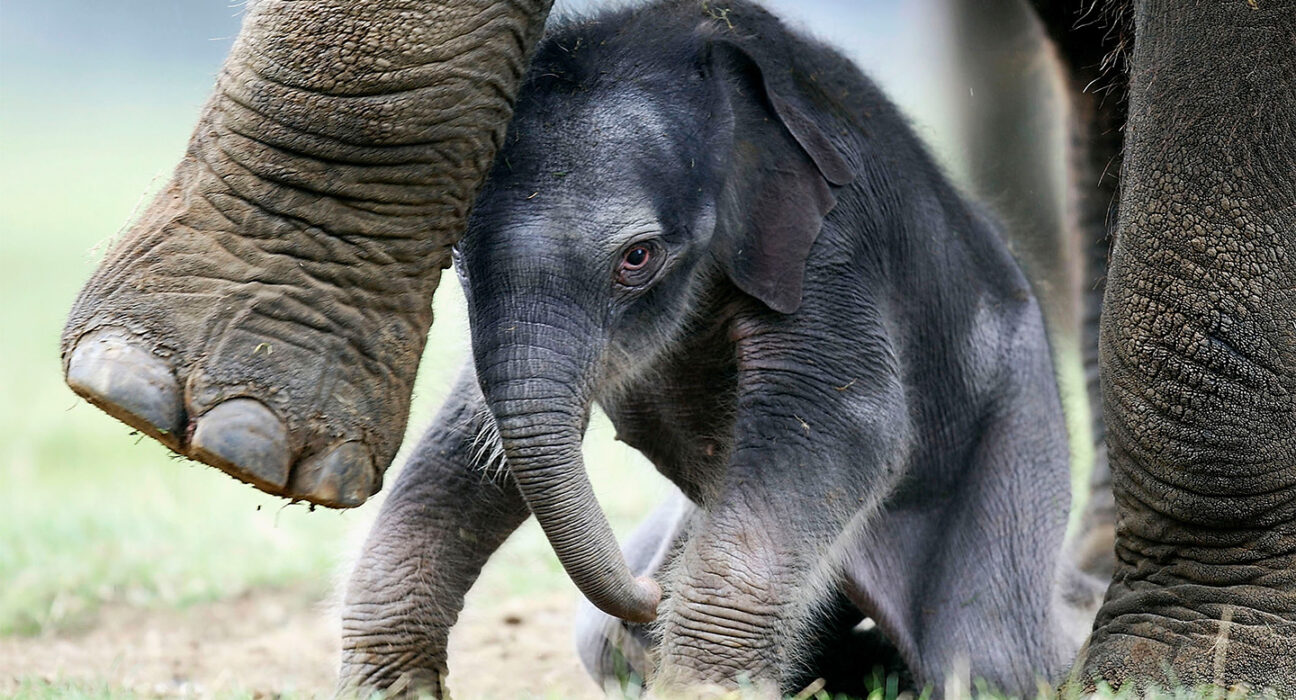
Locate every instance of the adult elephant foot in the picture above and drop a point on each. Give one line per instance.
(267, 313)
(1190, 636)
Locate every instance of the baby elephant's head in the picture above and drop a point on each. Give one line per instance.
(650, 163)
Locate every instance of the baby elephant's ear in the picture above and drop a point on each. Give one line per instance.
(782, 173)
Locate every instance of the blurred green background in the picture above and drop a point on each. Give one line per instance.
(97, 100)
(97, 103)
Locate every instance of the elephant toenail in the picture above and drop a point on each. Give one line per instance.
(342, 477)
(245, 439)
(129, 383)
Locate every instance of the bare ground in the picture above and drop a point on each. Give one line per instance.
(270, 642)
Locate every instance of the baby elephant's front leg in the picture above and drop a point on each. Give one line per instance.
(450, 510)
(742, 608)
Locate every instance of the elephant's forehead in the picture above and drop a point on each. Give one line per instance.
(612, 133)
(578, 225)
(598, 167)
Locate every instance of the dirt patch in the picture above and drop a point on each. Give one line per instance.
(269, 642)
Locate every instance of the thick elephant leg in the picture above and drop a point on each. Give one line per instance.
(267, 312)
(451, 508)
(1199, 355)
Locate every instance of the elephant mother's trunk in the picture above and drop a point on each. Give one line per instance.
(541, 408)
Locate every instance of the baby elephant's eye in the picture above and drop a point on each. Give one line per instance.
(636, 257)
(639, 263)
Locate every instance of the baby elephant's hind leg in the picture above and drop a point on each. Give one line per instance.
(615, 652)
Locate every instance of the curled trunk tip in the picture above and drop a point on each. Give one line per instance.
(644, 607)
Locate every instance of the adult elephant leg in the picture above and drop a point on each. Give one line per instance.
(451, 508)
(1199, 354)
(267, 312)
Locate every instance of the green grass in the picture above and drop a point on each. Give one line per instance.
(32, 689)
(36, 689)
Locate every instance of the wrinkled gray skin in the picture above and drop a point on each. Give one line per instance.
(1198, 353)
(267, 312)
(830, 353)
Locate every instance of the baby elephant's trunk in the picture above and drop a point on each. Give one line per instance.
(538, 394)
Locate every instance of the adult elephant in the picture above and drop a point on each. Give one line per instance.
(267, 312)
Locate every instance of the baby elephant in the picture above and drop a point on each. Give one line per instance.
(725, 235)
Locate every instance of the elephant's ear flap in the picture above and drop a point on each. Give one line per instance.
(783, 171)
